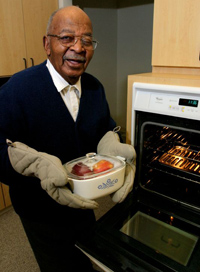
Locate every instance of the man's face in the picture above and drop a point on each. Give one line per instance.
(70, 62)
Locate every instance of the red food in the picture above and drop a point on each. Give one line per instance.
(80, 169)
(102, 165)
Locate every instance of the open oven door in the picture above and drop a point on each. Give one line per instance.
(137, 236)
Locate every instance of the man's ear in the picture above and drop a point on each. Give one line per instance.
(46, 44)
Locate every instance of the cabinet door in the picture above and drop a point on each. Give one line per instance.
(12, 41)
(2, 204)
(176, 33)
(6, 195)
(36, 15)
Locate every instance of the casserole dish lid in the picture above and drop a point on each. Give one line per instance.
(93, 165)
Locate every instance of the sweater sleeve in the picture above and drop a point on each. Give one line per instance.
(11, 126)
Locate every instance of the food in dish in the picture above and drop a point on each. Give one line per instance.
(102, 165)
(80, 169)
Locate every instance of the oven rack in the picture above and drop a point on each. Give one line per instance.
(173, 186)
(155, 166)
(182, 158)
(177, 158)
(172, 173)
(166, 137)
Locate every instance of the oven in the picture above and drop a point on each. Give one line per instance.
(157, 227)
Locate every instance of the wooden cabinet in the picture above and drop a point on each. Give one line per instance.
(2, 204)
(4, 197)
(12, 42)
(176, 33)
(22, 27)
(36, 15)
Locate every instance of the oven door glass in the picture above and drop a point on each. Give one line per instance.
(162, 237)
(169, 162)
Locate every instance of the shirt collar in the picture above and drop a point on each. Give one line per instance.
(59, 81)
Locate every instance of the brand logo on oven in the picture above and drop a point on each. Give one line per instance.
(109, 183)
(159, 98)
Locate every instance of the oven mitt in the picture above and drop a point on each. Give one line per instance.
(29, 162)
(110, 145)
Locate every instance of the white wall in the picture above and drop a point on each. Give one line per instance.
(64, 3)
(104, 62)
(134, 49)
(125, 37)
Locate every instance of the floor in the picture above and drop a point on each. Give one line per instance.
(15, 252)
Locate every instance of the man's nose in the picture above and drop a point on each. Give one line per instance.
(78, 45)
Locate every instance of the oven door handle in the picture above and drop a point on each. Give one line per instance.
(170, 241)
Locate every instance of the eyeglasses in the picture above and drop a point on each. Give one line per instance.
(69, 40)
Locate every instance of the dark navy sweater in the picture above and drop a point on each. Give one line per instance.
(33, 112)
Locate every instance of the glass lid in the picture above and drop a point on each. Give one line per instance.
(92, 165)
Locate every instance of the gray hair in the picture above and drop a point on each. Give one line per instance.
(50, 20)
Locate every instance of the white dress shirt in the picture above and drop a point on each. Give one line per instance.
(63, 87)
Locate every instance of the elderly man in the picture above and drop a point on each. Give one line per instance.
(53, 113)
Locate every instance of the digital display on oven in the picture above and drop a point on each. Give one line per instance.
(188, 102)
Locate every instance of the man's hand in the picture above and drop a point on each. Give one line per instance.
(110, 145)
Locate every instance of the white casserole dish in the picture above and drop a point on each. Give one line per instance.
(95, 183)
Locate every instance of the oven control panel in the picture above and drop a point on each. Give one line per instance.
(167, 99)
(176, 104)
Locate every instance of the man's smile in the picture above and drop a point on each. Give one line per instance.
(75, 59)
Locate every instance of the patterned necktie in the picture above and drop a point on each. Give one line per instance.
(74, 101)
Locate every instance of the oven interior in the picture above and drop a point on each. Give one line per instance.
(170, 162)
